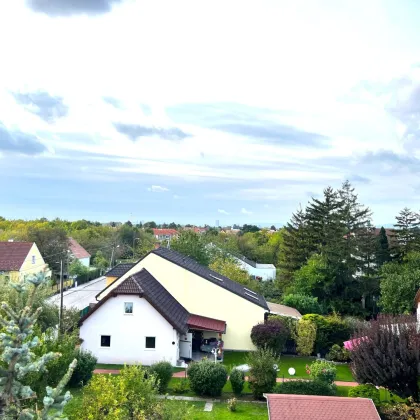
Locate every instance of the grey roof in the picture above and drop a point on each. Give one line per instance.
(146, 286)
(247, 261)
(119, 270)
(210, 275)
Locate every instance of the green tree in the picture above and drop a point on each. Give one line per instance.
(406, 232)
(100, 261)
(76, 268)
(231, 269)
(144, 243)
(16, 345)
(383, 254)
(249, 228)
(399, 284)
(192, 245)
(306, 336)
(303, 303)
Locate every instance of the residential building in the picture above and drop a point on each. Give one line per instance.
(292, 407)
(78, 252)
(18, 259)
(203, 292)
(116, 272)
(259, 271)
(165, 234)
(283, 310)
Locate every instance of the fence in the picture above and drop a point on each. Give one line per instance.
(70, 283)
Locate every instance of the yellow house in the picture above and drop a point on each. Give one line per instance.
(203, 292)
(18, 259)
(117, 271)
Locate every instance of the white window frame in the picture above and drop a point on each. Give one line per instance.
(146, 348)
(132, 308)
(100, 341)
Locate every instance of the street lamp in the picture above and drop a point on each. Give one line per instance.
(112, 255)
(134, 242)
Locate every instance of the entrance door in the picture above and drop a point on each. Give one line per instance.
(185, 346)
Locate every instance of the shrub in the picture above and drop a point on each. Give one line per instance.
(302, 387)
(338, 354)
(86, 363)
(323, 371)
(163, 373)
(232, 403)
(366, 391)
(303, 303)
(402, 411)
(262, 375)
(207, 378)
(271, 334)
(181, 387)
(306, 336)
(237, 380)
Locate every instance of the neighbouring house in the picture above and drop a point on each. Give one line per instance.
(259, 271)
(165, 234)
(116, 272)
(292, 407)
(196, 229)
(201, 292)
(78, 252)
(283, 310)
(18, 259)
(139, 321)
(417, 305)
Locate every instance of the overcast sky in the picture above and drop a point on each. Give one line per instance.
(194, 111)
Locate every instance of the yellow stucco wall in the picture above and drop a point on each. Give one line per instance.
(202, 297)
(110, 280)
(32, 267)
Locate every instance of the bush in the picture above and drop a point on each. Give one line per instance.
(366, 391)
(262, 375)
(302, 387)
(207, 378)
(271, 334)
(232, 403)
(163, 373)
(181, 387)
(237, 380)
(402, 411)
(338, 354)
(303, 303)
(86, 363)
(306, 336)
(323, 371)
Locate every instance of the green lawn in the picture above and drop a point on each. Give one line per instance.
(245, 411)
(231, 359)
(119, 367)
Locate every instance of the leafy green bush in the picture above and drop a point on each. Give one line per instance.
(237, 380)
(271, 334)
(366, 391)
(163, 373)
(262, 375)
(338, 354)
(322, 370)
(306, 336)
(303, 303)
(181, 387)
(86, 363)
(302, 387)
(207, 378)
(232, 404)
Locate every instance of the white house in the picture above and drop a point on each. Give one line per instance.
(78, 252)
(140, 322)
(165, 234)
(260, 271)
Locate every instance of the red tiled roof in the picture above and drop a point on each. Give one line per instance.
(77, 250)
(292, 407)
(13, 254)
(209, 324)
(165, 232)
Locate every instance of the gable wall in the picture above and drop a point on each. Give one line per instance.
(128, 332)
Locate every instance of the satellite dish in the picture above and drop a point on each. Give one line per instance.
(291, 371)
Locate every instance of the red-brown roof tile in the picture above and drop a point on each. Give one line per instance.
(309, 407)
(199, 322)
(77, 250)
(13, 254)
(165, 232)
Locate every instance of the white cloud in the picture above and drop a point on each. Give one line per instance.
(157, 188)
(221, 211)
(245, 211)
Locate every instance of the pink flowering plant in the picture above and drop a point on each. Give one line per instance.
(322, 370)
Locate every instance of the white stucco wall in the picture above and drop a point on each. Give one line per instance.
(85, 261)
(265, 271)
(418, 312)
(128, 332)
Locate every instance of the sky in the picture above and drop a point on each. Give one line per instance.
(186, 111)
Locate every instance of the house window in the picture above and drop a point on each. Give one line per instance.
(128, 307)
(105, 341)
(150, 342)
(33, 259)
